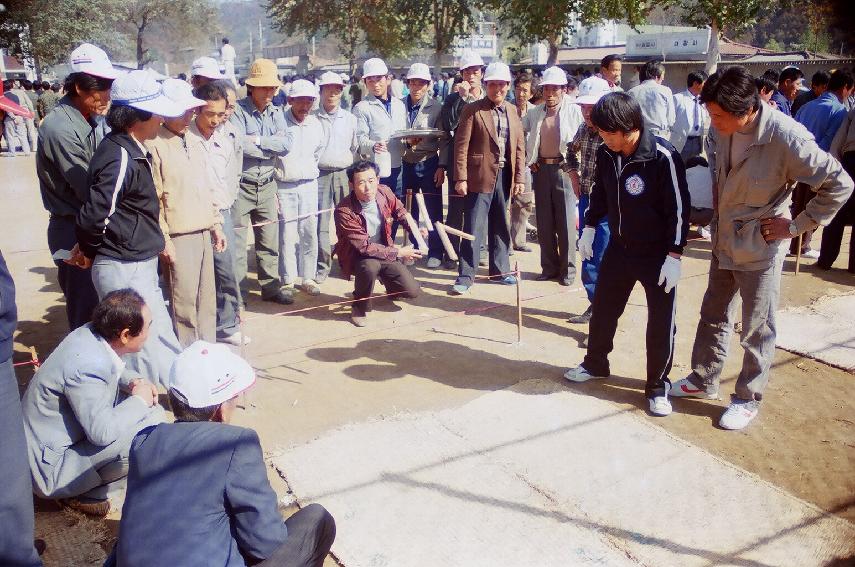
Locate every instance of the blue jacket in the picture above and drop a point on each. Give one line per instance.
(822, 117)
(782, 102)
(198, 495)
(8, 311)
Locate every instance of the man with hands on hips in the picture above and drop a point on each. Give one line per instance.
(640, 184)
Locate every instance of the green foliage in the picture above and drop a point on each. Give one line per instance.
(731, 16)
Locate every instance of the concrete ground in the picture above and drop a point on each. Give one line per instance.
(317, 372)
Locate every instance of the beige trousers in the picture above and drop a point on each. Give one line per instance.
(193, 295)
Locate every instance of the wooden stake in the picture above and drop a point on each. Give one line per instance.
(519, 302)
(799, 255)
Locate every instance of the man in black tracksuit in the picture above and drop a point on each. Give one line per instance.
(640, 183)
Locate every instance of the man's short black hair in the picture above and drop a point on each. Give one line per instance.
(183, 412)
(360, 166)
(790, 74)
(55, 87)
(608, 59)
(733, 90)
(225, 40)
(45, 85)
(119, 310)
(840, 79)
(572, 83)
(772, 75)
(819, 79)
(121, 118)
(523, 77)
(652, 69)
(8, 85)
(86, 83)
(617, 112)
(27, 84)
(695, 77)
(210, 91)
(765, 84)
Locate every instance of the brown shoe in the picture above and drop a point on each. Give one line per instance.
(357, 316)
(89, 506)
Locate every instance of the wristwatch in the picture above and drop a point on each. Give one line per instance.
(794, 231)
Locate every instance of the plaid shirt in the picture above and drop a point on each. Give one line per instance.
(500, 119)
(582, 156)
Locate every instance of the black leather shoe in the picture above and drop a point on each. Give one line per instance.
(565, 281)
(545, 277)
(282, 296)
(522, 248)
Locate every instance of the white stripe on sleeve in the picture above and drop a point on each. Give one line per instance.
(679, 199)
(119, 181)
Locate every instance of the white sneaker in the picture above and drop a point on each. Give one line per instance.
(310, 287)
(704, 231)
(660, 406)
(579, 374)
(739, 413)
(812, 254)
(237, 339)
(684, 389)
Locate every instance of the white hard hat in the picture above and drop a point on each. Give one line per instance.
(207, 374)
(419, 71)
(470, 59)
(139, 89)
(330, 78)
(554, 76)
(344, 77)
(302, 88)
(181, 93)
(92, 60)
(497, 71)
(592, 90)
(374, 67)
(206, 67)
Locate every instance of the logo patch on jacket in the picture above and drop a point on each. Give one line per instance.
(634, 185)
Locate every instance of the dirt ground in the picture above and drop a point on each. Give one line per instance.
(317, 372)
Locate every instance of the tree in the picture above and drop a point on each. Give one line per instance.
(732, 16)
(46, 31)
(446, 19)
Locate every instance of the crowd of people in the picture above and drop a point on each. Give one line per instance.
(152, 186)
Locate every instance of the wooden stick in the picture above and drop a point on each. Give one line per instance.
(455, 232)
(414, 227)
(799, 255)
(449, 249)
(519, 302)
(423, 214)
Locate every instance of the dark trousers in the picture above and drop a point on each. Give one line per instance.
(694, 147)
(618, 274)
(556, 221)
(76, 284)
(16, 498)
(420, 176)
(454, 215)
(311, 532)
(394, 276)
(225, 280)
(801, 197)
(832, 235)
(486, 218)
(392, 183)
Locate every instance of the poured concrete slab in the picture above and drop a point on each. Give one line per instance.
(823, 330)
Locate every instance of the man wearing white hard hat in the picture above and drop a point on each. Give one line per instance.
(118, 228)
(549, 128)
(340, 147)
(297, 188)
(421, 171)
(489, 168)
(204, 482)
(582, 164)
(378, 116)
(204, 70)
(69, 136)
(469, 90)
(191, 222)
(523, 204)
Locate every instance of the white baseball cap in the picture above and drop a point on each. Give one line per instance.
(206, 67)
(374, 67)
(419, 71)
(141, 90)
(592, 90)
(554, 76)
(92, 60)
(302, 88)
(470, 59)
(207, 374)
(330, 78)
(181, 93)
(497, 71)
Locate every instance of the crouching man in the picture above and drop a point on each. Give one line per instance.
(198, 492)
(363, 224)
(78, 419)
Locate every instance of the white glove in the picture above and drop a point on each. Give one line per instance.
(670, 273)
(586, 243)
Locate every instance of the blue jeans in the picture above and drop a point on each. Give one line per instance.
(225, 280)
(591, 268)
(420, 176)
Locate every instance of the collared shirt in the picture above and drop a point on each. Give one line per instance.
(657, 106)
(500, 121)
(118, 363)
(219, 160)
(376, 121)
(306, 142)
(269, 126)
(690, 112)
(822, 117)
(782, 102)
(373, 221)
(339, 138)
(583, 155)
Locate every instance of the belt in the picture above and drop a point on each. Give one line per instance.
(331, 169)
(257, 182)
(550, 161)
